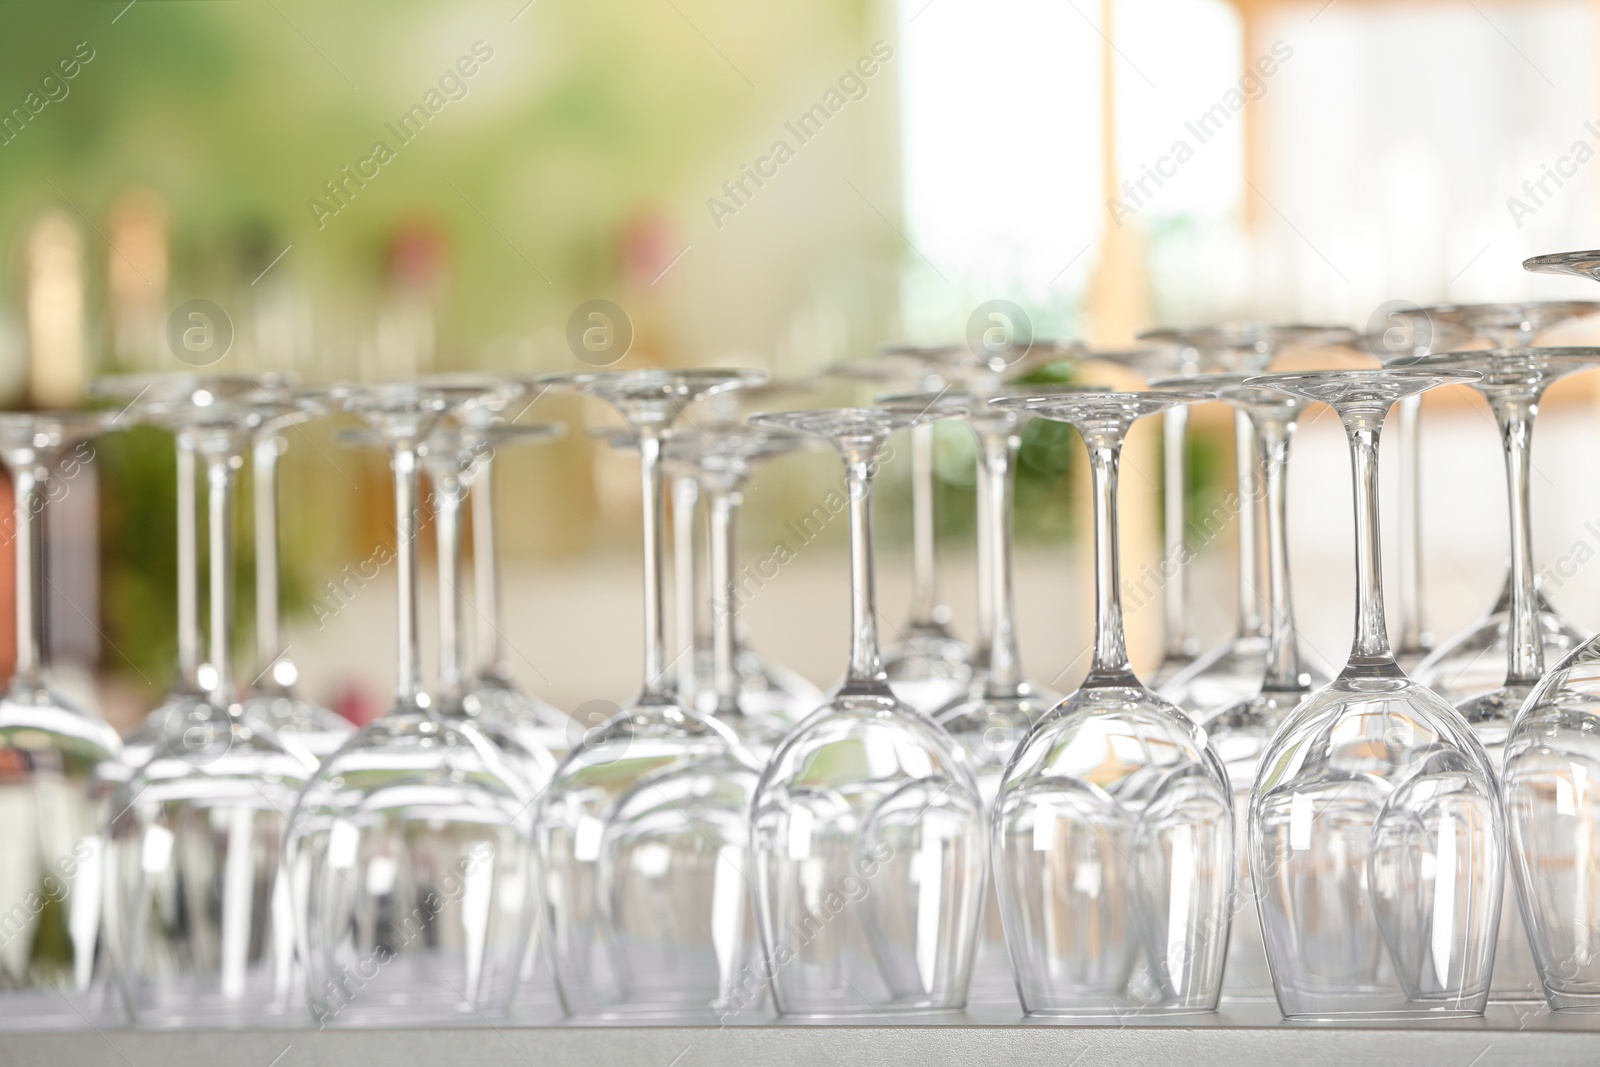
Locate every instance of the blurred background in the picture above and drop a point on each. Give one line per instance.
(369, 191)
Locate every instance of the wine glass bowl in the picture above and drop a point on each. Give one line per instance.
(1375, 822)
(1113, 828)
(868, 831)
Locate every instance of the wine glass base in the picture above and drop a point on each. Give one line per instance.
(928, 668)
(1474, 661)
(1230, 674)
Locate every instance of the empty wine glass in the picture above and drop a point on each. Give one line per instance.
(1377, 840)
(1414, 333)
(926, 664)
(1476, 659)
(1113, 828)
(1002, 706)
(491, 693)
(1204, 687)
(275, 702)
(1232, 671)
(721, 458)
(1178, 646)
(1551, 760)
(203, 911)
(411, 845)
(868, 834)
(55, 971)
(1239, 733)
(1512, 382)
(146, 397)
(643, 834)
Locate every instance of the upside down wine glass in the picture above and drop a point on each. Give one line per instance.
(1476, 659)
(868, 834)
(1002, 706)
(145, 396)
(1513, 381)
(1231, 671)
(1113, 829)
(204, 911)
(491, 692)
(721, 459)
(55, 968)
(643, 834)
(275, 701)
(1552, 762)
(1377, 840)
(1239, 733)
(927, 665)
(1178, 647)
(1415, 333)
(411, 846)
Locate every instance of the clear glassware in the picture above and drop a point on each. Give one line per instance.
(1232, 671)
(144, 397)
(766, 686)
(411, 845)
(275, 702)
(1553, 816)
(1202, 686)
(1179, 646)
(1413, 333)
(1377, 840)
(721, 459)
(1240, 733)
(1003, 705)
(1512, 382)
(1113, 828)
(492, 693)
(927, 665)
(55, 967)
(868, 834)
(203, 912)
(1476, 659)
(643, 834)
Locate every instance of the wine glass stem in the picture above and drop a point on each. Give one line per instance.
(408, 669)
(1110, 642)
(188, 565)
(1525, 651)
(1372, 635)
(268, 639)
(447, 529)
(657, 687)
(1174, 441)
(1250, 620)
(25, 480)
(925, 608)
(1283, 654)
(724, 638)
(1412, 625)
(685, 505)
(486, 570)
(866, 665)
(1000, 444)
(222, 465)
(984, 551)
